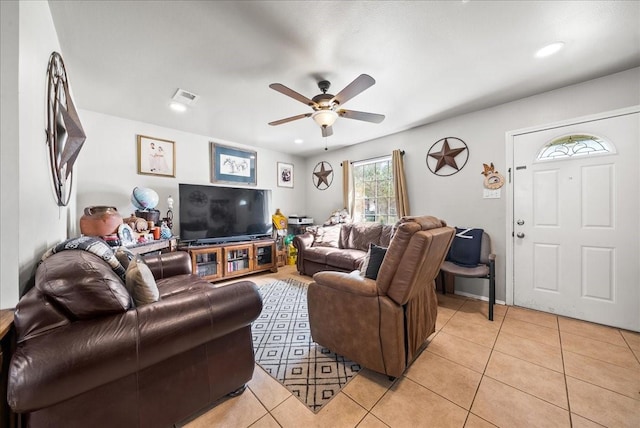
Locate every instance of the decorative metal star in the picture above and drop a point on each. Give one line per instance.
(323, 174)
(70, 123)
(446, 156)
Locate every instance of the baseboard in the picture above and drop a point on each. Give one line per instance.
(474, 296)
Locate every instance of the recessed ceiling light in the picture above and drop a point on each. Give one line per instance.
(175, 106)
(298, 141)
(549, 49)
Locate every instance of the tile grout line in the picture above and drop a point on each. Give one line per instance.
(485, 369)
(564, 374)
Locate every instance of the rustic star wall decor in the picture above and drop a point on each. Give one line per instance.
(323, 173)
(441, 157)
(65, 135)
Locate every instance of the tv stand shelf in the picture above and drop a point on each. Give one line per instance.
(218, 262)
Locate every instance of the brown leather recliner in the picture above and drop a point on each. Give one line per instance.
(86, 358)
(382, 324)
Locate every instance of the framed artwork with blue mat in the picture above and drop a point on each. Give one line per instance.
(232, 165)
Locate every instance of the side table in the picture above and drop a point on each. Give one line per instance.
(162, 245)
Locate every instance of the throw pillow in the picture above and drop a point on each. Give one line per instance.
(124, 256)
(328, 236)
(365, 263)
(376, 257)
(466, 246)
(141, 283)
(363, 234)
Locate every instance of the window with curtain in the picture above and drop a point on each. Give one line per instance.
(374, 192)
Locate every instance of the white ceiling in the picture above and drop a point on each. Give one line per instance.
(431, 60)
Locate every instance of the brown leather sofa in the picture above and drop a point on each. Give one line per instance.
(86, 358)
(340, 247)
(382, 324)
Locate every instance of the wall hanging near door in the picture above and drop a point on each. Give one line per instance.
(322, 175)
(492, 178)
(65, 135)
(447, 156)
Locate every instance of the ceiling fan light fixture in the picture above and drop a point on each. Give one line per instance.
(325, 118)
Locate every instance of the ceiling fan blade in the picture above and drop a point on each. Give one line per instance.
(361, 83)
(293, 94)
(361, 115)
(326, 131)
(289, 119)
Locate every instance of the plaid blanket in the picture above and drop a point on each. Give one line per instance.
(93, 245)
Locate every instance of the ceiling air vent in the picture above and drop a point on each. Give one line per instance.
(185, 97)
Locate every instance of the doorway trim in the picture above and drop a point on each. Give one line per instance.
(509, 142)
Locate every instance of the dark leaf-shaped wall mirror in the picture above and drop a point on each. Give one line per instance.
(65, 135)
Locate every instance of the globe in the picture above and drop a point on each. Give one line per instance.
(144, 198)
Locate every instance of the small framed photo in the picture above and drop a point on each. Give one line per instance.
(285, 174)
(156, 156)
(125, 233)
(233, 165)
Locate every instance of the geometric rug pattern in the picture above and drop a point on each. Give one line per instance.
(283, 346)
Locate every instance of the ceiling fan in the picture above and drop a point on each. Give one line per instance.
(326, 107)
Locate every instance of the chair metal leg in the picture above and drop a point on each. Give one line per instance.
(492, 288)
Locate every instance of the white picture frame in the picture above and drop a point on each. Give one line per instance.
(285, 175)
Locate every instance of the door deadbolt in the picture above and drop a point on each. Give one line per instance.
(520, 235)
(520, 222)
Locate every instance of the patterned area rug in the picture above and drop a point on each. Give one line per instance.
(284, 349)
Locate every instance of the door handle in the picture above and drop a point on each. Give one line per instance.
(520, 235)
(520, 222)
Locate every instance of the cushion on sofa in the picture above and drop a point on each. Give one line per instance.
(124, 256)
(319, 254)
(347, 259)
(345, 232)
(141, 283)
(327, 236)
(178, 284)
(82, 284)
(363, 234)
(386, 234)
(375, 255)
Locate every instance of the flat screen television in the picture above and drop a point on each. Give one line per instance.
(216, 214)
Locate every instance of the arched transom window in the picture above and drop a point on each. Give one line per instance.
(575, 145)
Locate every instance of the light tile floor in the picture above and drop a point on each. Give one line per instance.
(524, 369)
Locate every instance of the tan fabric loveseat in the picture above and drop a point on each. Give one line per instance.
(340, 247)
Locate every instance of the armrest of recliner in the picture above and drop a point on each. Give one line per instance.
(169, 264)
(352, 283)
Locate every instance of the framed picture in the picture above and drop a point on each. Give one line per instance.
(125, 233)
(233, 165)
(285, 174)
(156, 156)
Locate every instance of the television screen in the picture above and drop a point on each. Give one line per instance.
(214, 214)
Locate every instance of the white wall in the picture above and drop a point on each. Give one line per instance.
(107, 167)
(31, 219)
(9, 124)
(458, 198)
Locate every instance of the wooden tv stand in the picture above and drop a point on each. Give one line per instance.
(218, 262)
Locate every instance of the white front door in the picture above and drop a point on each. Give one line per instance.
(577, 225)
